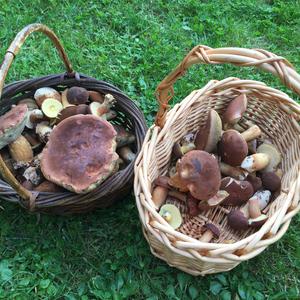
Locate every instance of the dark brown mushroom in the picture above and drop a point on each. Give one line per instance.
(237, 220)
(271, 181)
(77, 95)
(239, 191)
(200, 172)
(255, 181)
(12, 124)
(72, 111)
(96, 96)
(80, 153)
(208, 136)
(126, 154)
(124, 137)
(233, 148)
(210, 232)
(192, 205)
(235, 110)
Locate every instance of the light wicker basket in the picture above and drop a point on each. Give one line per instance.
(272, 110)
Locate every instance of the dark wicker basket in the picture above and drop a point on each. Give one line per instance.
(129, 116)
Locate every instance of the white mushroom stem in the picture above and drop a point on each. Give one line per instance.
(236, 173)
(251, 133)
(43, 130)
(263, 198)
(207, 236)
(255, 162)
(254, 208)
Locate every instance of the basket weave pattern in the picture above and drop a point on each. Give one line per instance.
(129, 116)
(272, 110)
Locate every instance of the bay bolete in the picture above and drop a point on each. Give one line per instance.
(80, 153)
(210, 232)
(208, 136)
(235, 110)
(255, 181)
(271, 181)
(77, 95)
(237, 220)
(239, 191)
(200, 172)
(45, 93)
(124, 137)
(72, 110)
(12, 124)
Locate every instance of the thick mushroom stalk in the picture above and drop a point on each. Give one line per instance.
(12, 124)
(80, 153)
(200, 172)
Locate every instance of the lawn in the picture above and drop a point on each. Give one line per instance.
(134, 44)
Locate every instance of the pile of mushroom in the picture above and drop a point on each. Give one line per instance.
(222, 164)
(64, 140)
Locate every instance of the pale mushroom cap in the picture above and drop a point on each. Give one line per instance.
(80, 153)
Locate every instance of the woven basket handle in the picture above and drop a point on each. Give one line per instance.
(10, 54)
(242, 57)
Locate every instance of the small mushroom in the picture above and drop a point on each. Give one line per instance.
(31, 104)
(77, 95)
(255, 162)
(127, 154)
(255, 181)
(200, 172)
(257, 219)
(192, 206)
(96, 96)
(208, 136)
(80, 153)
(51, 107)
(210, 232)
(185, 145)
(237, 220)
(101, 109)
(12, 124)
(270, 181)
(218, 198)
(45, 93)
(239, 191)
(171, 214)
(263, 198)
(35, 116)
(235, 172)
(33, 139)
(72, 111)
(43, 131)
(124, 137)
(20, 150)
(274, 155)
(64, 99)
(233, 148)
(160, 191)
(235, 110)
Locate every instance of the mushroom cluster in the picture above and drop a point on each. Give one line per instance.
(221, 164)
(67, 139)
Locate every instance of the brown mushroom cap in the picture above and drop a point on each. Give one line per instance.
(235, 109)
(209, 135)
(255, 181)
(214, 229)
(200, 172)
(80, 153)
(12, 124)
(72, 111)
(271, 181)
(77, 95)
(233, 148)
(237, 220)
(239, 191)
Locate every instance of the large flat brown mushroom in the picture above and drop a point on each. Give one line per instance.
(80, 153)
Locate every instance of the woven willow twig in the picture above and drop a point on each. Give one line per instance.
(272, 110)
(129, 116)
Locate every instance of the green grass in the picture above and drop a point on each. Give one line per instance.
(133, 45)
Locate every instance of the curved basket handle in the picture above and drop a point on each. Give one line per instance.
(242, 57)
(10, 54)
